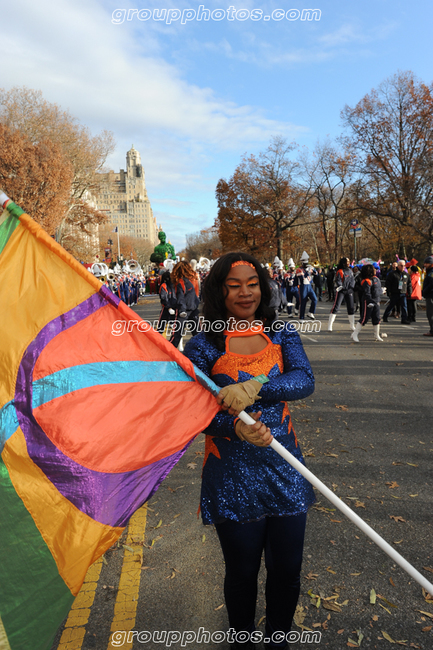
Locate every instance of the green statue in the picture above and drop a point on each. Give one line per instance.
(163, 251)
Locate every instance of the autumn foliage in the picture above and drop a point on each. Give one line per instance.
(37, 177)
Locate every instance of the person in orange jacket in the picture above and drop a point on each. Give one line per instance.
(415, 279)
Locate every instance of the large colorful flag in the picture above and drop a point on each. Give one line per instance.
(94, 413)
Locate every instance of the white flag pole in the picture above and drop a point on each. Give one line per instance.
(377, 539)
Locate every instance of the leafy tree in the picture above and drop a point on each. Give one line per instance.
(36, 176)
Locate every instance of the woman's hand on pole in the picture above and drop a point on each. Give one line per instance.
(257, 434)
(236, 397)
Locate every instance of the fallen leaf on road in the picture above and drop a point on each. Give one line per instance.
(387, 637)
(330, 570)
(311, 576)
(299, 615)
(412, 464)
(331, 606)
(159, 524)
(340, 631)
(428, 597)
(372, 597)
(387, 601)
(359, 504)
(427, 629)
(392, 582)
(398, 518)
(261, 620)
(392, 485)
(219, 607)
(428, 568)
(425, 613)
(192, 465)
(342, 407)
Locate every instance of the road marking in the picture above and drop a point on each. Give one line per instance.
(75, 626)
(125, 608)
(309, 338)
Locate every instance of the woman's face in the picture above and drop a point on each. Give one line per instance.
(243, 293)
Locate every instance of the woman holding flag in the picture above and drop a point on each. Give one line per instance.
(251, 495)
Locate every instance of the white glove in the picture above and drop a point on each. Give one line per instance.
(371, 304)
(183, 314)
(339, 289)
(171, 312)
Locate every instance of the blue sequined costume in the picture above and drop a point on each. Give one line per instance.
(241, 481)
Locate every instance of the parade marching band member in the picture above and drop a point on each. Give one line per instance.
(344, 283)
(370, 295)
(167, 296)
(292, 292)
(255, 501)
(187, 301)
(304, 279)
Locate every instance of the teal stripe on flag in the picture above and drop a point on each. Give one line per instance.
(100, 374)
(8, 423)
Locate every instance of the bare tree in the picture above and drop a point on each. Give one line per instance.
(391, 131)
(265, 197)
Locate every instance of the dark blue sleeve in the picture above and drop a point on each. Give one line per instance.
(297, 380)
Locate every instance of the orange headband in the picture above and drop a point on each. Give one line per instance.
(243, 263)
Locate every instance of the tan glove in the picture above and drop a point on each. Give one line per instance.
(239, 396)
(257, 434)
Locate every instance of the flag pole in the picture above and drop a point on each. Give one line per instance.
(362, 525)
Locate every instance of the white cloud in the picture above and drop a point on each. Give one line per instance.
(114, 77)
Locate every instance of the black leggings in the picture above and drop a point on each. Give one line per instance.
(347, 296)
(282, 539)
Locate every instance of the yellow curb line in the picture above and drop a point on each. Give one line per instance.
(125, 608)
(73, 634)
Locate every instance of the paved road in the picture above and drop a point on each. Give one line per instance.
(366, 433)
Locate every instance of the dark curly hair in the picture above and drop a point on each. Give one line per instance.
(367, 271)
(215, 294)
(343, 263)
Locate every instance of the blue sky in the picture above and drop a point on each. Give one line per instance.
(194, 95)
